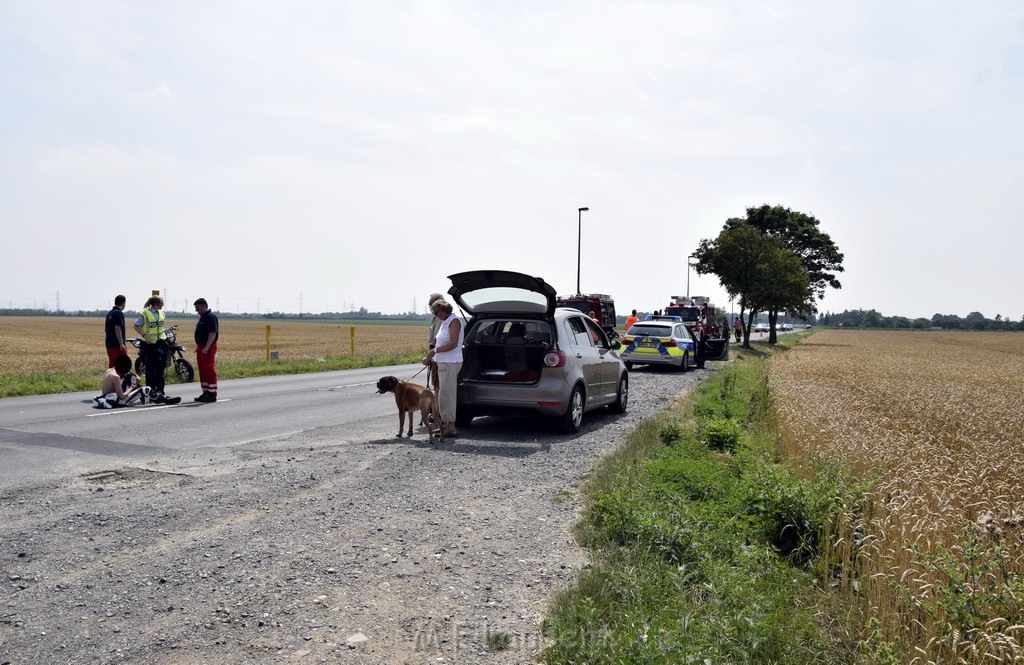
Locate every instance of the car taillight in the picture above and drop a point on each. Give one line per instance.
(668, 342)
(554, 359)
(627, 340)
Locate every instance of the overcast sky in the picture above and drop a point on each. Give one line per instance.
(339, 154)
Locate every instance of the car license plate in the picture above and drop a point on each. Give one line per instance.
(647, 343)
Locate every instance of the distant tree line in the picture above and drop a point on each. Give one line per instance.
(357, 315)
(861, 318)
(855, 318)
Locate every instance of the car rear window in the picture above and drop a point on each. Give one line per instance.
(505, 299)
(499, 331)
(647, 329)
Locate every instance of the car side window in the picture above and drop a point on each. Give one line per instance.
(580, 334)
(596, 334)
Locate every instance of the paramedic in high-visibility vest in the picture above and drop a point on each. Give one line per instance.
(154, 349)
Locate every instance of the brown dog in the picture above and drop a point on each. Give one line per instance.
(411, 397)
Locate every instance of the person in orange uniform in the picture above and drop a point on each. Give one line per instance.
(630, 320)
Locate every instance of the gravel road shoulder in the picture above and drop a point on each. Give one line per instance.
(311, 548)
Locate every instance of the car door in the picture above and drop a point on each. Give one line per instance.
(609, 372)
(586, 356)
(715, 348)
(684, 340)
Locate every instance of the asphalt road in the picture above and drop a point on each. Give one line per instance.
(50, 435)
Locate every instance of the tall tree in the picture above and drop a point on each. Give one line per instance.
(784, 286)
(756, 269)
(800, 234)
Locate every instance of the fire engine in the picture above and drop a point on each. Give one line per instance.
(600, 304)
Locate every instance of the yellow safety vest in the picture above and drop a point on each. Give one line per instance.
(153, 326)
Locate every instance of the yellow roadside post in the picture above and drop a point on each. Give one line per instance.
(352, 339)
(268, 342)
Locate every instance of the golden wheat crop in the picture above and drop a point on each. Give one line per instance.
(935, 419)
(33, 344)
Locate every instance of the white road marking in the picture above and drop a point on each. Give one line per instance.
(349, 385)
(148, 407)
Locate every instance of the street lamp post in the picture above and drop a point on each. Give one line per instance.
(579, 243)
(689, 264)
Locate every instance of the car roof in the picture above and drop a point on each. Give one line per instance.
(653, 324)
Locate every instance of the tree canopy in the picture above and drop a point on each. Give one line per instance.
(775, 260)
(800, 233)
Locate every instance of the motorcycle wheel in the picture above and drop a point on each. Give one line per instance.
(140, 367)
(184, 370)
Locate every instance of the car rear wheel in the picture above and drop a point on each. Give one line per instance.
(464, 417)
(574, 414)
(621, 396)
(685, 364)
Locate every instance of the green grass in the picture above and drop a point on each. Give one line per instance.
(43, 383)
(704, 546)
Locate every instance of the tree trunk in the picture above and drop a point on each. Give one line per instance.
(749, 327)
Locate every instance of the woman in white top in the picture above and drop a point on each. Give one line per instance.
(447, 353)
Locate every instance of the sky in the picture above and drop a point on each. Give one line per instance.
(323, 156)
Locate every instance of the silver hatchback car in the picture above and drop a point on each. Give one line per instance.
(524, 356)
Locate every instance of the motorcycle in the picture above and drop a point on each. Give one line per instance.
(176, 355)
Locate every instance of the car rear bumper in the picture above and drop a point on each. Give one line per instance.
(644, 359)
(547, 397)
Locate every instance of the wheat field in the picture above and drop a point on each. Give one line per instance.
(935, 420)
(35, 344)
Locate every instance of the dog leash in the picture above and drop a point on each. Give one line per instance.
(417, 373)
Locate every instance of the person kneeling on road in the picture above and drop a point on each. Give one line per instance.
(120, 386)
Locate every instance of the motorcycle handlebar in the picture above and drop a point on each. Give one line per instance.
(135, 341)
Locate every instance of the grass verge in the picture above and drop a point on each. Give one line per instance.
(14, 384)
(704, 546)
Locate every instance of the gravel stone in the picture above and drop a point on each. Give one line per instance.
(314, 547)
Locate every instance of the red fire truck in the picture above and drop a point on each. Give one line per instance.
(601, 304)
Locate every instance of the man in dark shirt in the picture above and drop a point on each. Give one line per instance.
(207, 332)
(115, 331)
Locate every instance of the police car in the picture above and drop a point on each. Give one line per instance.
(661, 340)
